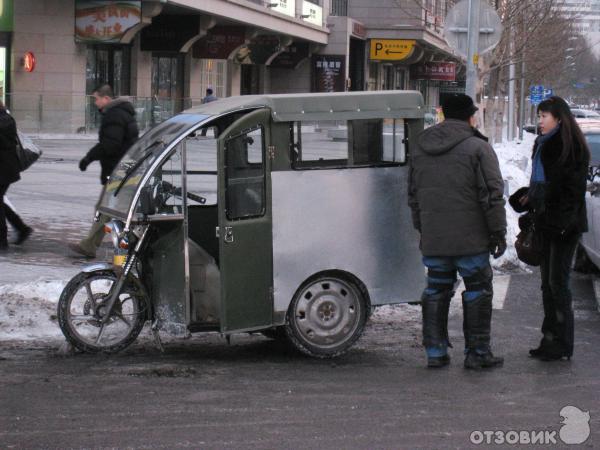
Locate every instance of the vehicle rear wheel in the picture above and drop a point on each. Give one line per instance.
(326, 316)
(82, 306)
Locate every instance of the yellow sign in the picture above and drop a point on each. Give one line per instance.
(391, 49)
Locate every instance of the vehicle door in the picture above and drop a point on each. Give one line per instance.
(245, 223)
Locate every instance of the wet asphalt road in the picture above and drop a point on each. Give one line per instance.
(257, 393)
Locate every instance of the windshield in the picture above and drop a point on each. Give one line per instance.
(593, 141)
(125, 179)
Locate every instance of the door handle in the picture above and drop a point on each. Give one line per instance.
(228, 235)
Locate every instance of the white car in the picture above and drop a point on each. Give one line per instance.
(589, 249)
(585, 114)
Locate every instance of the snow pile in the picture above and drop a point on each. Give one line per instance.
(28, 310)
(515, 164)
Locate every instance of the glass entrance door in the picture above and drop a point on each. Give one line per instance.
(167, 86)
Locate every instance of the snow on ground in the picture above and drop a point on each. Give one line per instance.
(515, 164)
(28, 310)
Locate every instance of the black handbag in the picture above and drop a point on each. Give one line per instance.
(27, 156)
(529, 247)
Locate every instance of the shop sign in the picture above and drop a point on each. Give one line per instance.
(391, 49)
(359, 30)
(287, 7)
(105, 22)
(329, 73)
(259, 50)
(437, 71)
(219, 43)
(6, 15)
(292, 56)
(312, 13)
(169, 33)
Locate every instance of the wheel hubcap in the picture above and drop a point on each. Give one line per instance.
(327, 313)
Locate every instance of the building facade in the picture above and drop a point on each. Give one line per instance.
(164, 54)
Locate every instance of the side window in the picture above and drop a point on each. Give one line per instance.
(355, 143)
(319, 144)
(245, 175)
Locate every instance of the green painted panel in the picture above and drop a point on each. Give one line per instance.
(246, 255)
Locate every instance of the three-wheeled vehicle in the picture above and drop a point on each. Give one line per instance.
(280, 214)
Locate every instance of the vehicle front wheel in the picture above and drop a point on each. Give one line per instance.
(326, 317)
(82, 306)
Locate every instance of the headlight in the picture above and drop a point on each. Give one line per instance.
(115, 228)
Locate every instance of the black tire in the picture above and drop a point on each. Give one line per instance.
(582, 262)
(65, 317)
(327, 315)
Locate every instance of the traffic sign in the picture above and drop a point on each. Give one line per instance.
(457, 23)
(391, 49)
(539, 93)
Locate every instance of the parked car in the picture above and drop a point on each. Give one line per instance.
(585, 114)
(588, 254)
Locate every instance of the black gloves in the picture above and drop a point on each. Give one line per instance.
(84, 163)
(498, 243)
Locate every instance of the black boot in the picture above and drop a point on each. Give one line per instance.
(435, 309)
(477, 320)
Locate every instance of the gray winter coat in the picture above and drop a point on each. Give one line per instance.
(455, 190)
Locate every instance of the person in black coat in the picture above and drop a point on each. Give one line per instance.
(556, 197)
(9, 173)
(118, 131)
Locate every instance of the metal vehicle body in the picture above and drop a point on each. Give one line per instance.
(280, 214)
(590, 242)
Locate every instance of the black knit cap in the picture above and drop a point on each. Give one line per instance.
(458, 106)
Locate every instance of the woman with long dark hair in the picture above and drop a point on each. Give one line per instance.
(556, 195)
(9, 173)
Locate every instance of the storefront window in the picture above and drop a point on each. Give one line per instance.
(167, 86)
(108, 65)
(213, 74)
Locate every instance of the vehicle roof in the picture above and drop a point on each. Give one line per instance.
(328, 106)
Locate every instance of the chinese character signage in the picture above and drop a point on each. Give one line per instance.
(312, 13)
(391, 49)
(287, 7)
(220, 42)
(439, 71)
(329, 73)
(292, 56)
(169, 33)
(105, 22)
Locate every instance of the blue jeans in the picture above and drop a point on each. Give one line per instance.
(444, 270)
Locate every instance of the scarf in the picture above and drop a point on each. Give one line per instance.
(537, 183)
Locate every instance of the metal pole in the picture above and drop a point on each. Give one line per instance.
(522, 101)
(511, 102)
(473, 49)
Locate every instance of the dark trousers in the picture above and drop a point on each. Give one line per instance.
(7, 214)
(558, 325)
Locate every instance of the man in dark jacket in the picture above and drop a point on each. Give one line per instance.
(456, 196)
(9, 173)
(118, 131)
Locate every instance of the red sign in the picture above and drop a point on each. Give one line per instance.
(29, 62)
(440, 71)
(220, 42)
(359, 30)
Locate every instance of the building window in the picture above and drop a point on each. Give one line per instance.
(213, 74)
(339, 7)
(167, 86)
(108, 65)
